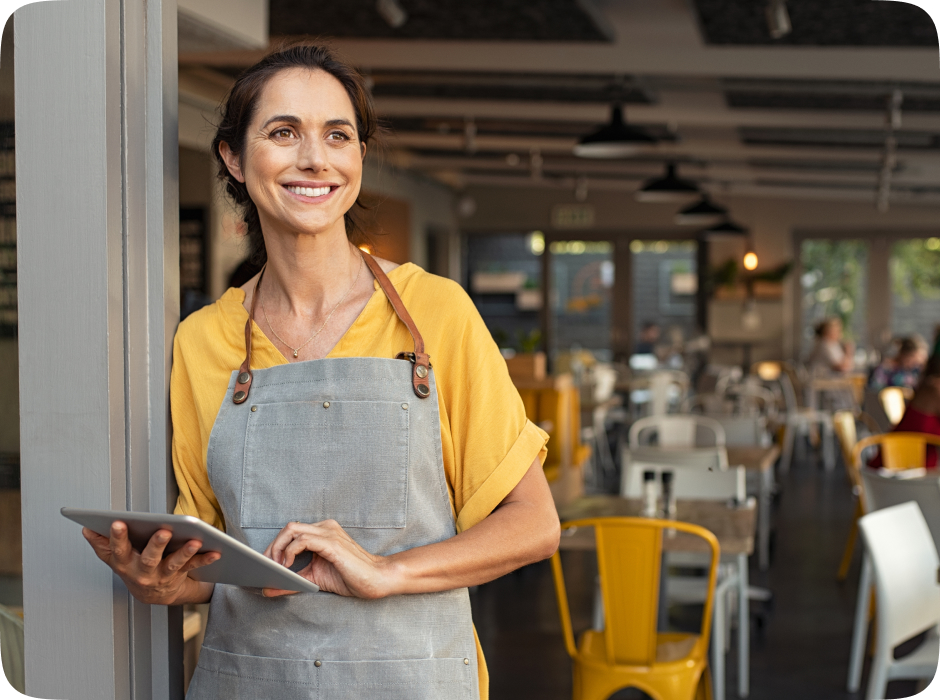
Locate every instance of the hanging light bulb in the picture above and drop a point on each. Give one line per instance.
(750, 260)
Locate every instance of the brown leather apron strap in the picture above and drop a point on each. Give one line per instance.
(419, 358)
(243, 380)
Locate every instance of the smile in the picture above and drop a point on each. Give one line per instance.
(310, 191)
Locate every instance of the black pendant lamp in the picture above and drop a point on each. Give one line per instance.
(614, 140)
(669, 188)
(725, 228)
(702, 213)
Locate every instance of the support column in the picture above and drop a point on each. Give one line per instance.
(97, 213)
(879, 293)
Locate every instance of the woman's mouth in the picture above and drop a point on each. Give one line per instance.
(311, 192)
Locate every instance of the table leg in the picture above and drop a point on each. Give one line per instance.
(744, 629)
(765, 498)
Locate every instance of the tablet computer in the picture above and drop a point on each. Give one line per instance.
(239, 565)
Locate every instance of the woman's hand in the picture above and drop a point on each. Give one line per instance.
(339, 564)
(149, 576)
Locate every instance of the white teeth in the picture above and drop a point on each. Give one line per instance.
(310, 191)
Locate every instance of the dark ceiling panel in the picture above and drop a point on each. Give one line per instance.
(482, 20)
(838, 138)
(818, 23)
(511, 127)
(508, 86)
(823, 101)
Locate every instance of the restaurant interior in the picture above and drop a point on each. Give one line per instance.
(704, 235)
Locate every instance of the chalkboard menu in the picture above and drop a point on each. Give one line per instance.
(7, 232)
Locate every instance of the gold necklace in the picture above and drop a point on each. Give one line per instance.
(297, 350)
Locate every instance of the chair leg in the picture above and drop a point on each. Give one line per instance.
(786, 456)
(828, 447)
(744, 630)
(849, 551)
(860, 629)
(718, 647)
(704, 690)
(878, 677)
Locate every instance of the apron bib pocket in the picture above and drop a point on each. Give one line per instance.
(349, 448)
(220, 674)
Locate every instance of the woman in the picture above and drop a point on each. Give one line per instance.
(829, 353)
(904, 368)
(298, 431)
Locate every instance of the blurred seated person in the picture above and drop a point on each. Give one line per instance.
(923, 410)
(830, 353)
(649, 336)
(904, 369)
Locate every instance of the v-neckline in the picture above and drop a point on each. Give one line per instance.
(268, 344)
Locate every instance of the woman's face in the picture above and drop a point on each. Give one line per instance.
(833, 330)
(302, 161)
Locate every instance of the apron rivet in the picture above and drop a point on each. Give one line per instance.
(318, 663)
(326, 404)
(404, 406)
(466, 662)
(240, 396)
(254, 408)
(421, 371)
(244, 378)
(423, 390)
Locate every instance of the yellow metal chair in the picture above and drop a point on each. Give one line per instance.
(843, 424)
(894, 401)
(629, 651)
(899, 451)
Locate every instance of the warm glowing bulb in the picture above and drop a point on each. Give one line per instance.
(365, 249)
(750, 260)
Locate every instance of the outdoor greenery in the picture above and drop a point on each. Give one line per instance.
(833, 276)
(915, 269)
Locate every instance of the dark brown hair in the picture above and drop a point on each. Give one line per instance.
(240, 106)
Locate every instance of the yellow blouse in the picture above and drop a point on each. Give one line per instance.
(488, 444)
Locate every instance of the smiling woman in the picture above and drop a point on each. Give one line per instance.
(323, 437)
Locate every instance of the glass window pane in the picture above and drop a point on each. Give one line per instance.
(582, 281)
(665, 283)
(915, 287)
(504, 276)
(835, 277)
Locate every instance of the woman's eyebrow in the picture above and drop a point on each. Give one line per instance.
(340, 122)
(288, 118)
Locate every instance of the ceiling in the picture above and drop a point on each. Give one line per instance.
(497, 93)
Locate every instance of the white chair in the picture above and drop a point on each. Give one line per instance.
(11, 642)
(799, 419)
(692, 447)
(903, 561)
(880, 492)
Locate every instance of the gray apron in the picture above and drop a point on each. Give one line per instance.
(356, 440)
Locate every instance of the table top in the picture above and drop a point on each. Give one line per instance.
(734, 527)
(753, 458)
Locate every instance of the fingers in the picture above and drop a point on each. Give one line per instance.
(152, 555)
(275, 550)
(201, 560)
(178, 559)
(99, 543)
(121, 549)
(275, 592)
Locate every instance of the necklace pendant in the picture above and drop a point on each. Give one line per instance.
(295, 352)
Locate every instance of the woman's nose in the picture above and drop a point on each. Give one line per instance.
(312, 155)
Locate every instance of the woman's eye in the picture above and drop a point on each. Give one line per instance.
(338, 136)
(282, 133)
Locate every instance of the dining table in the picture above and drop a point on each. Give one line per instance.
(734, 526)
(760, 460)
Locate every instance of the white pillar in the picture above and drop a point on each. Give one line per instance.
(97, 217)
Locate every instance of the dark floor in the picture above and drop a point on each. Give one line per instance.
(800, 651)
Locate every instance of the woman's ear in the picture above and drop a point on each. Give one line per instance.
(363, 148)
(232, 162)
